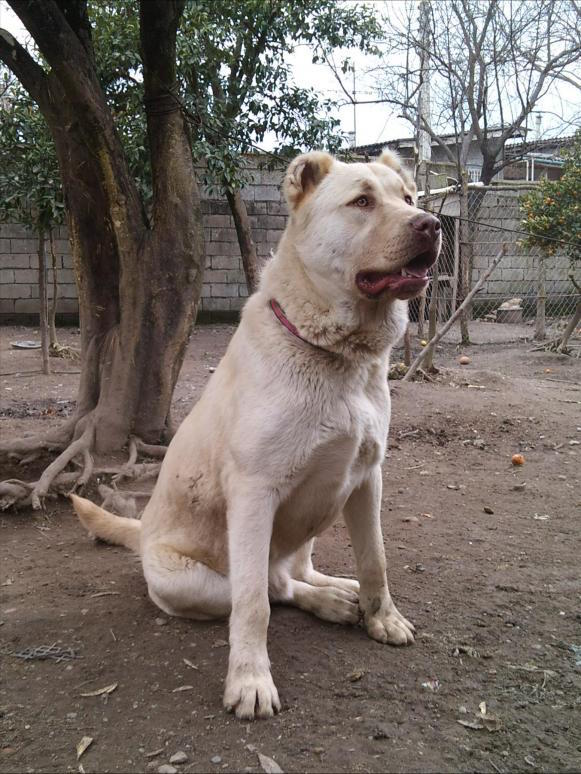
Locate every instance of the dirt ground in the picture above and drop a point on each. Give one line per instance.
(482, 556)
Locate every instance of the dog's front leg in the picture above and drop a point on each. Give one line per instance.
(250, 691)
(383, 620)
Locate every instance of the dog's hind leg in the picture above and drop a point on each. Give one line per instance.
(303, 570)
(184, 587)
(329, 602)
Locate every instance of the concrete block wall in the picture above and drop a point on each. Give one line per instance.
(518, 272)
(224, 290)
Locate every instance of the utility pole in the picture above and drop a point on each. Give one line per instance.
(354, 110)
(423, 139)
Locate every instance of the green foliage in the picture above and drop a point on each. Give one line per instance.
(238, 84)
(235, 84)
(30, 188)
(553, 210)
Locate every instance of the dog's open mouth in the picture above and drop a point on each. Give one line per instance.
(410, 280)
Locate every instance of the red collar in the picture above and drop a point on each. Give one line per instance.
(281, 317)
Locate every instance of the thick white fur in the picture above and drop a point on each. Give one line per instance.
(287, 437)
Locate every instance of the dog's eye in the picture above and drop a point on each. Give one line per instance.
(408, 199)
(362, 201)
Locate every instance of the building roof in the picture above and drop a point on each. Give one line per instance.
(515, 146)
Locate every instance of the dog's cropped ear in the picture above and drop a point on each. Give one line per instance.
(392, 159)
(304, 175)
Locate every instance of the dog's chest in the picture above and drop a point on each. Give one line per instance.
(350, 441)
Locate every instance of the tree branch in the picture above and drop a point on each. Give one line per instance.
(30, 74)
(74, 69)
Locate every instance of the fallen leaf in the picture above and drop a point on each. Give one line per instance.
(474, 724)
(219, 644)
(268, 765)
(356, 675)
(432, 685)
(101, 691)
(452, 486)
(187, 662)
(155, 753)
(105, 594)
(84, 745)
(183, 688)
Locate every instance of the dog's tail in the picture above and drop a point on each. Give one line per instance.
(106, 526)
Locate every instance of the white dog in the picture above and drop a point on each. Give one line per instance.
(291, 430)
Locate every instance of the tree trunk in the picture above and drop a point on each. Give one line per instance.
(541, 300)
(573, 322)
(43, 299)
(139, 281)
(465, 260)
(407, 346)
(433, 314)
(53, 341)
(245, 241)
(422, 315)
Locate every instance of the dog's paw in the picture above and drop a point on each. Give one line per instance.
(390, 627)
(335, 604)
(251, 694)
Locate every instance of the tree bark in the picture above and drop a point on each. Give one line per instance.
(43, 299)
(573, 322)
(53, 340)
(465, 260)
(541, 300)
(139, 282)
(245, 241)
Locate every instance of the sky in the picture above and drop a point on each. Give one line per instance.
(374, 123)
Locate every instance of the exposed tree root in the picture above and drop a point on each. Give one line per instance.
(75, 441)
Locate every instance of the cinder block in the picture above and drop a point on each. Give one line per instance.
(6, 305)
(236, 276)
(267, 193)
(257, 208)
(273, 236)
(25, 276)
(23, 245)
(15, 291)
(15, 230)
(224, 290)
(243, 291)
(6, 276)
(5, 248)
(236, 303)
(277, 208)
(512, 274)
(23, 306)
(249, 194)
(214, 304)
(206, 290)
(67, 306)
(20, 261)
(218, 221)
(223, 235)
(216, 276)
(223, 262)
(68, 291)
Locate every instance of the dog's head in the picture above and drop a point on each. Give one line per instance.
(356, 227)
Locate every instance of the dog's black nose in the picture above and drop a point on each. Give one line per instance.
(428, 224)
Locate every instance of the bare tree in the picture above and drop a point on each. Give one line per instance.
(490, 63)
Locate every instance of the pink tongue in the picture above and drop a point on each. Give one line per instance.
(373, 284)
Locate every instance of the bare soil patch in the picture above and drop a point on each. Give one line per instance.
(495, 597)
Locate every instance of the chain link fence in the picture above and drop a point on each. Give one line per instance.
(530, 296)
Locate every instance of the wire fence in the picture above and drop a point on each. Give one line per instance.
(532, 295)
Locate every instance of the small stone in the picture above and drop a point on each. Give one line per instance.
(412, 519)
(167, 769)
(574, 443)
(211, 369)
(464, 360)
(562, 478)
(520, 487)
(488, 510)
(216, 759)
(161, 621)
(179, 757)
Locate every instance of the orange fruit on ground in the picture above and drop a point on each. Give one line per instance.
(518, 459)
